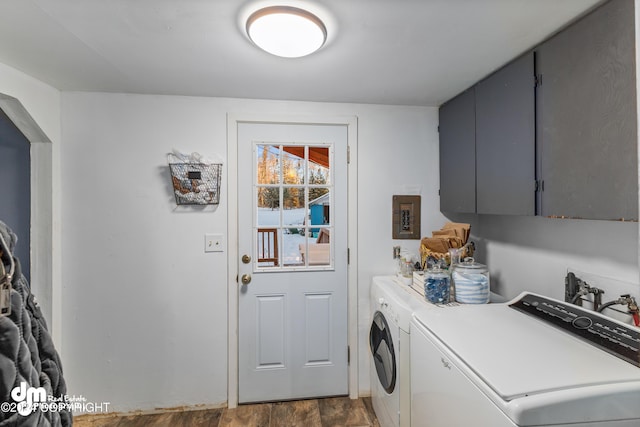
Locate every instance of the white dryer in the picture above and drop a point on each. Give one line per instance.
(534, 361)
(391, 308)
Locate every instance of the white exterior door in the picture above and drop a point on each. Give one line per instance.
(292, 251)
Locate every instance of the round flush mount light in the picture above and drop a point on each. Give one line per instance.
(286, 31)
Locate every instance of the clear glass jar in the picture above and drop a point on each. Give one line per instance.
(471, 282)
(436, 286)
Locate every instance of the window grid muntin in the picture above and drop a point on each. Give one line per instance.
(306, 226)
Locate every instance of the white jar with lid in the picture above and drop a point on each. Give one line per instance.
(471, 282)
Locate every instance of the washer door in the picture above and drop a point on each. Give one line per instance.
(382, 351)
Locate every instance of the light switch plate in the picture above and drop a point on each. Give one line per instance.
(213, 243)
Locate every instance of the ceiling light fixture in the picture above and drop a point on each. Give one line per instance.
(286, 31)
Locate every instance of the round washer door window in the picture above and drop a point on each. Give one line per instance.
(382, 351)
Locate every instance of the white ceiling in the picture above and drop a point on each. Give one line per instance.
(404, 52)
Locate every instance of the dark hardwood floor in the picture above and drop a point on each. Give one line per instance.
(329, 412)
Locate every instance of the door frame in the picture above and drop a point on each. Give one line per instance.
(233, 120)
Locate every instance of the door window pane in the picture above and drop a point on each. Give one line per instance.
(316, 254)
(268, 206)
(319, 207)
(268, 248)
(292, 241)
(293, 165)
(293, 198)
(268, 164)
(319, 167)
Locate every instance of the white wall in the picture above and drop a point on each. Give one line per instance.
(145, 316)
(41, 100)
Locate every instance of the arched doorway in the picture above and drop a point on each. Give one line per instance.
(40, 242)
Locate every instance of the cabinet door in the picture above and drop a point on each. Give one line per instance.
(505, 140)
(587, 117)
(457, 154)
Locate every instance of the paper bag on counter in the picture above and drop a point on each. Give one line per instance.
(460, 229)
(436, 244)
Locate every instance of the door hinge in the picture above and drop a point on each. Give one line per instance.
(348, 256)
(537, 186)
(537, 80)
(348, 154)
(348, 355)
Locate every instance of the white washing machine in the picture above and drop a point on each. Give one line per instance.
(391, 308)
(533, 361)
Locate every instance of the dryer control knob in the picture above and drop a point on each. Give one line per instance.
(582, 322)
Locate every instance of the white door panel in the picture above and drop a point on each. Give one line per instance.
(292, 225)
(270, 331)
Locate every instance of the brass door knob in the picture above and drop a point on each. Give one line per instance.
(245, 279)
(246, 259)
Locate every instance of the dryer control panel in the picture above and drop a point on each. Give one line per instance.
(620, 340)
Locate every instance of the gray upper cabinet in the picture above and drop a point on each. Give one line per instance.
(458, 154)
(505, 140)
(587, 132)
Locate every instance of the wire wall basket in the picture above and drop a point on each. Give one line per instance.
(195, 183)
